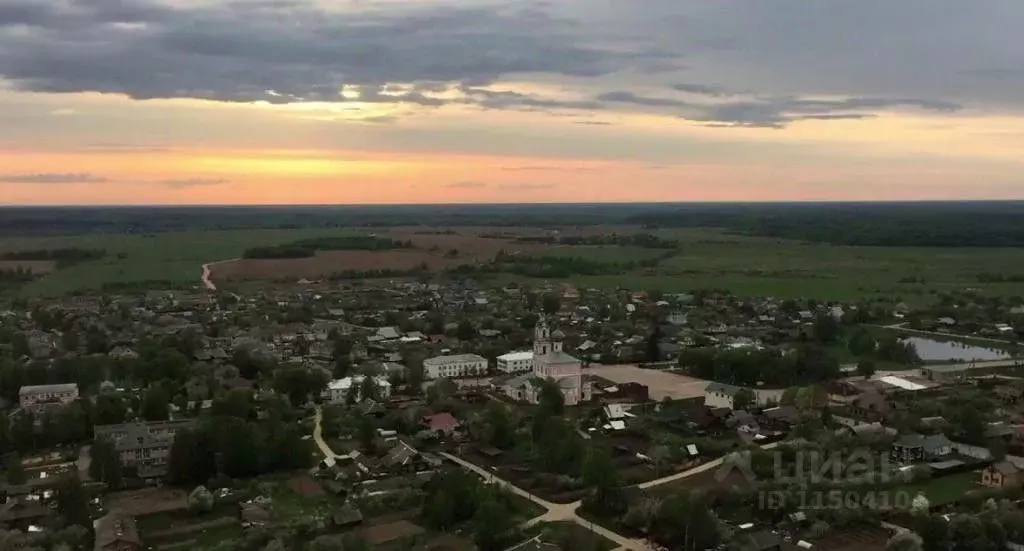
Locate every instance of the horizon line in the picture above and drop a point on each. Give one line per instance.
(514, 204)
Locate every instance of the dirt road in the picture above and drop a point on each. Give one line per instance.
(207, 273)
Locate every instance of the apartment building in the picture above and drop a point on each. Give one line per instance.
(29, 396)
(144, 446)
(460, 365)
(515, 362)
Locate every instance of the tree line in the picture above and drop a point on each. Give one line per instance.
(306, 248)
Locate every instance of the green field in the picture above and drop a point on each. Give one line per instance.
(755, 266)
(611, 254)
(175, 258)
(706, 259)
(947, 489)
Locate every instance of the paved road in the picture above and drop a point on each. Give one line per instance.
(556, 512)
(849, 368)
(559, 512)
(901, 327)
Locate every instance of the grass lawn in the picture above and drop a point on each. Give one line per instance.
(940, 491)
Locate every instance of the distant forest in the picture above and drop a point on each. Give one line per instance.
(926, 224)
(308, 247)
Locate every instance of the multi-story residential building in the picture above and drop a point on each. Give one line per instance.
(337, 391)
(515, 362)
(459, 365)
(144, 447)
(34, 395)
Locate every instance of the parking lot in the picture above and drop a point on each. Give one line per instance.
(660, 384)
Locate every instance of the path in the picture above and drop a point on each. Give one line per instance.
(207, 273)
(901, 327)
(558, 512)
(318, 436)
(850, 368)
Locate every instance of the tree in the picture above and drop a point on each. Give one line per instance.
(200, 500)
(743, 399)
(599, 474)
(789, 396)
(110, 409)
(550, 400)
(368, 388)
(69, 341)
(414, 375)
(653, 351)
(500, 428)
(367, 434)
(551, 303)
(15, 471)
(298, 383)
(866, 368)
(492, 525)
(466, 331)
(23, 431)
(441, 390)
(861, 343)
(154, 404)
(193, 457)
(904, 541)
(826, 328)
(105, 463)
(236, 403)
(72, 501)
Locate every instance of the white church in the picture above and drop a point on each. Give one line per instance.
(550, 362)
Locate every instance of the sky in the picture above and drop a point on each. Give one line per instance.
(513, 101)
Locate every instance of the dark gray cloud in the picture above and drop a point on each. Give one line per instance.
(503, 99)
(743, 62)
(287, 51)
(53, 178)
(702, 90)
(647, 101)
(776, 112)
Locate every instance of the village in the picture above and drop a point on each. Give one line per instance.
(422, 415)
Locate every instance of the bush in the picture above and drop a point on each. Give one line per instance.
(200, 501)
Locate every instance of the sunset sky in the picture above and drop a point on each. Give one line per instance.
(429, 101)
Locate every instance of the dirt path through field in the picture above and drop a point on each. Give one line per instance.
(207, 273)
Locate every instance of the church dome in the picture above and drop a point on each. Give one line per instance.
(558, 334)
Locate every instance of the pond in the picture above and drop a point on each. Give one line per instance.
(931, 350)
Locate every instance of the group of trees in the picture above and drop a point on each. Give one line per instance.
(747, 367)
(237, 447)
(886, 347)
(71, 424)
(306, 248)
(64, 257)
(922, 225)
(990, 529)
(682, 520)
(457, 498)
(554, 267)
(644, 240)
